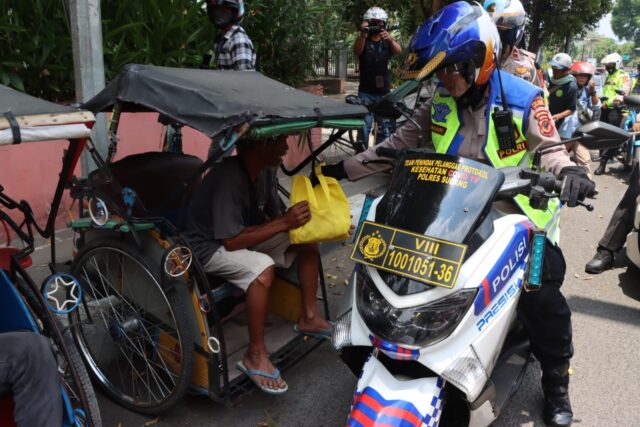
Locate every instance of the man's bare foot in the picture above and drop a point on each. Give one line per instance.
(316, 324)
(260, 362)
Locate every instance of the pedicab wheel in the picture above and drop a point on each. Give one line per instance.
(135, 338)
(73, 374)
(87, 413)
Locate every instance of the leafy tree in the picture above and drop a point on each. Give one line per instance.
(286, 33)
(625, 20)
(555, 21)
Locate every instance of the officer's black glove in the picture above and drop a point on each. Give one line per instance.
(335, 171)
(576, 185)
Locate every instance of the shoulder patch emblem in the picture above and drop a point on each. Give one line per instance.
(439, 112)
(537, 103)
(545, 124)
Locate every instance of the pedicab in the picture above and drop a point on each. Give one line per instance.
(24, 305)
(153, 325)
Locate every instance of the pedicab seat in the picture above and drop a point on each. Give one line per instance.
(160, 180)
(5, 259)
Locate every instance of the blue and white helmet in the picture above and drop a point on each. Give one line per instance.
(510, 18)
(458, 32)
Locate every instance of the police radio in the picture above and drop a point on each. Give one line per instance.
(503, 120)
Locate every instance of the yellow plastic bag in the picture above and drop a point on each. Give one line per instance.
(330, 212)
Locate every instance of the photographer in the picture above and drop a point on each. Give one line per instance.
(374, 48)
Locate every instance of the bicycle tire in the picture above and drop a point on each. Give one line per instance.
(181, 357)
(83, 381)
(82, 396)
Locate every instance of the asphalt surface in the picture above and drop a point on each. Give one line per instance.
(605, 383)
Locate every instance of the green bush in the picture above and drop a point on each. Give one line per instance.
(36, 52)
(35, 48)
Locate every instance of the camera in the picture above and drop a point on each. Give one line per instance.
(372, 30)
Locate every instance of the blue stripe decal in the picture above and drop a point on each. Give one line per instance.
(512, 259)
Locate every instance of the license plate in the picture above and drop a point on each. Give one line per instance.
(418, 257)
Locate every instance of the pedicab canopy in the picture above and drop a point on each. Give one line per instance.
(214, 101)
(24, 118)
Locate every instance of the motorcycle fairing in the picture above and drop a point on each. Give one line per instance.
(513, 258)
(382, 400)
(486, 340)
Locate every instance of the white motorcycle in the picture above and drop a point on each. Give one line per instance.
(430, 324)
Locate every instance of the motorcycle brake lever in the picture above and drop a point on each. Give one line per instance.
(587, 206)
(379, 162)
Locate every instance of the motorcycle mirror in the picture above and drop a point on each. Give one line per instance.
(390, 106)
(632, 100)
(601, 136)
(353, 100)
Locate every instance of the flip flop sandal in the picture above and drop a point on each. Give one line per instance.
(324, 334)
(275, 376)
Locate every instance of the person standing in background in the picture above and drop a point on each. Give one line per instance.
(374, 48)
(234, 49)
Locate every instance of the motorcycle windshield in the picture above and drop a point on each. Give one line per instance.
(438, 195)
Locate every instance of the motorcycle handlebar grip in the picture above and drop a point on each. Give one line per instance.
(387, 152)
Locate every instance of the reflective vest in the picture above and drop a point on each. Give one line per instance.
(446, 121)
(618, 80)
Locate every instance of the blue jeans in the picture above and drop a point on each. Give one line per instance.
(385, 126)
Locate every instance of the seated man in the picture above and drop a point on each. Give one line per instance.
(29, 372)
(238, 229)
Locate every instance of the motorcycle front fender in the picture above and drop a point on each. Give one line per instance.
(382, 400)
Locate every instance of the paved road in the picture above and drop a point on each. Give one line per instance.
(606, 320)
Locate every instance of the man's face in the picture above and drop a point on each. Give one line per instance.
(611, 67)
(453, 80)
(274, 149)
(582, 79)
(559, 72)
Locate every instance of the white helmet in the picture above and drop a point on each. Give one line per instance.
(561, 60)
(510, 18)
(612, 58)
(376, 13)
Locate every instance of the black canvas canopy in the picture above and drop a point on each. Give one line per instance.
(21, 104)
(212, 101)
(24, 118)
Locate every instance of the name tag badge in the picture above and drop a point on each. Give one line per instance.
(379, 82)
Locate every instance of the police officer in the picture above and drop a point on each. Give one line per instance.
(617, 80)
(510, 19)
(459, 43)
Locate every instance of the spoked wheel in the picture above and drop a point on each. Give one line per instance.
(77, 384)
(135, 338)
(80, 400)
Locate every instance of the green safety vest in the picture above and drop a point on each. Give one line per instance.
(615, 81)
(445, 124)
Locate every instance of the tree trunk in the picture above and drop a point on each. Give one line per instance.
(436, 6)
(567, 44)
(537, 34)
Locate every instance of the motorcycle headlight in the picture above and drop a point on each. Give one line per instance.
(418, 326)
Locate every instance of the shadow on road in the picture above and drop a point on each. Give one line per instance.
(630, 282)
(607, 310)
